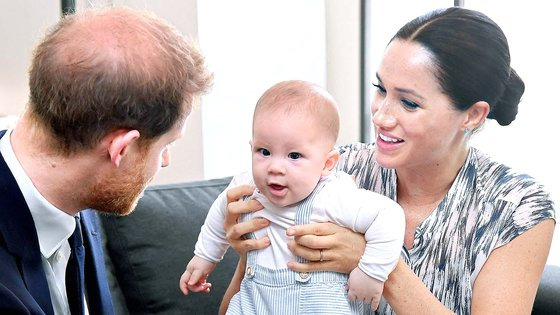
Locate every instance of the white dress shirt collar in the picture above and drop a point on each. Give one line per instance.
(53, 225)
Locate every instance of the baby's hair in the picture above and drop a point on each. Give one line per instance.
(302, 97)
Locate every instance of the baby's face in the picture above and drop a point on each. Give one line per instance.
(289, 152)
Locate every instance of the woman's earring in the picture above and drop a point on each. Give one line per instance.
(466, 132)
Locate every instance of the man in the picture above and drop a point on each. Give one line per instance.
(110, 90)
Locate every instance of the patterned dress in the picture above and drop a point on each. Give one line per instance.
(487, 206)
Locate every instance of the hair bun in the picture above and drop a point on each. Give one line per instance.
(505, 109)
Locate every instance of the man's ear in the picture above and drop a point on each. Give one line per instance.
(476, 115)
(119, 143)
(330, 163)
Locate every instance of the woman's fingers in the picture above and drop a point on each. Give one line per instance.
(235, 232)
(341, 248)
(238, 192)
(243, 206)
(235, 235)
(317, 235)
(317, 242)
(236, 206)
(242, 247)
(303, 251)
(320, 229)
(238, 230)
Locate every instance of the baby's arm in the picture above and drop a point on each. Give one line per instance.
(209, 249)
(195, 276)
(382, 222)
(211, 244)
(384, 237)
(362, 287)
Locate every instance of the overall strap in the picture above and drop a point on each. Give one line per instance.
(305, 209)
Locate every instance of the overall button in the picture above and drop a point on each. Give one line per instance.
(303, 277)
(249, 272)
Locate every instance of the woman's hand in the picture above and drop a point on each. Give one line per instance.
(327, 246)
(235, 234)
(235, 231)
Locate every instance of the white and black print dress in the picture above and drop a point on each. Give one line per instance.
(487, 206)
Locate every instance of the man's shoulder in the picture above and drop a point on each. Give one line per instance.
(14, 296)
(8, 263)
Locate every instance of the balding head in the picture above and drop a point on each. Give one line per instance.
(101, 70)
(301, 97)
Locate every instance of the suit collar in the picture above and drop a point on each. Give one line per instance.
(53, 225)
(99, 295)
(19, 234)
(18, 230)
(16, 222)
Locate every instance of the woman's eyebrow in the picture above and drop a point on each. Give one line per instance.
(401, 90)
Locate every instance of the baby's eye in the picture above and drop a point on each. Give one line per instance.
(264, 152)
(294, 155)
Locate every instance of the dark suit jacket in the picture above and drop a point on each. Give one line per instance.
(23, 284)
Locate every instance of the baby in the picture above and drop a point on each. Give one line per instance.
(295, 128)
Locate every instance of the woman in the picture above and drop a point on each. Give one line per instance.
(477, 233)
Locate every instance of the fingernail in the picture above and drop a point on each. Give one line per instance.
(263, 222)
(290, 231)
(267, 240)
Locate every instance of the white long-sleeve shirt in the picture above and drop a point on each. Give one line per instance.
(339, 201)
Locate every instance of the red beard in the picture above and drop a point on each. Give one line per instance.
(119, 193)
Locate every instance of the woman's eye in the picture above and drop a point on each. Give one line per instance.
(294, 155)
(410, 104)
(264, 152)
(380, 88)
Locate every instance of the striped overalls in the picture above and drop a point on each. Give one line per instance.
(283, 291)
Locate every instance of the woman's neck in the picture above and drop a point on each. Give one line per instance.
(420, 190)
(428, 184)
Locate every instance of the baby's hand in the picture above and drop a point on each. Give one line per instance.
(362, 287)
(194, 277)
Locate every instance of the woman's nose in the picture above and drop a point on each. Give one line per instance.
(382, 114)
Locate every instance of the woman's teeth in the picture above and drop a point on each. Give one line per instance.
(388, 139)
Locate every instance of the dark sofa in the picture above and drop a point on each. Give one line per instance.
(147, 252)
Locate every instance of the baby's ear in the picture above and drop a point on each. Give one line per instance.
(330, 163)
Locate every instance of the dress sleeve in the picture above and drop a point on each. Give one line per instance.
(532, 205)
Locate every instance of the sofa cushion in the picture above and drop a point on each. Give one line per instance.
(150, 248)
(548, 294)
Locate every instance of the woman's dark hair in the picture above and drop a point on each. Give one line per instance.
(471, 57)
